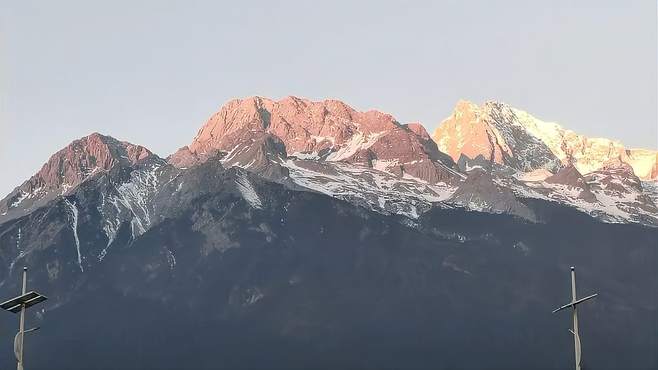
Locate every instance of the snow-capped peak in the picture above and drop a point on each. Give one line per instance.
(513, 137)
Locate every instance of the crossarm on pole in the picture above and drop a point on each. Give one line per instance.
(576, 302)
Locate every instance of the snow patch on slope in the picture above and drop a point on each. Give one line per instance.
(357, 142)
(73, 214)
(248, 192)
(19, 200)
(610, 206)
(134, 196)
(374, 189)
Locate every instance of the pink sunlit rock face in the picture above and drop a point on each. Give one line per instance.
(508, 136)
(76, 162)
(328, 130)
(505, 158)
(85, 156)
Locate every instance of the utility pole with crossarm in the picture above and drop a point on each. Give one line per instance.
(19, 304)
(574, 302)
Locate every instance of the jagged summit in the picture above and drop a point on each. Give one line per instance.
(84, 156)
(328, 130)
(74, 163)
(369, 159)
(509, 136)
(493, 131)
(303, 124)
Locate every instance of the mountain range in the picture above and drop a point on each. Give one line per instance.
(319, 236)
(484, 158)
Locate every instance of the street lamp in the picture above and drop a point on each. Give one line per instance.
(19, 304)
(574, 302)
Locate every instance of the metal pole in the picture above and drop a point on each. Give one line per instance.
(576, 340)
(21, 329)
(573, 304)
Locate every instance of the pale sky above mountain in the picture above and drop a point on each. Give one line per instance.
(152, 72)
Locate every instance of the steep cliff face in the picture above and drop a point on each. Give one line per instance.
(505, 135)
(366, 158)
(494, 132)
(303, 125)
(329, 130)
(69, 167)
(589, 154)
(370, 159)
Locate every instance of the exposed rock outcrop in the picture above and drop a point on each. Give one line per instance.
(327, 130)
(72, 165)
(512, 137)
(573, 180)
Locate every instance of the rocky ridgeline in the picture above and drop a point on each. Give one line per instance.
(485, 158)
(72, 165)
(511, 137)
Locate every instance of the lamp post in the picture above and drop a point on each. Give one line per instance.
(20, 304)
(574, 302)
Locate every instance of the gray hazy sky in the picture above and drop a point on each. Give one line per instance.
(151, 72)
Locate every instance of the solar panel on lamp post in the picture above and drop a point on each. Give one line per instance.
(19, 304)
(574, 302)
